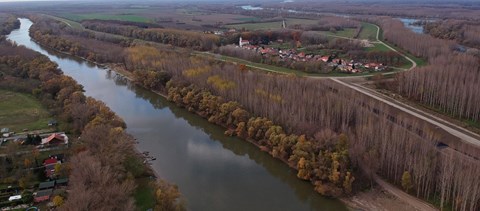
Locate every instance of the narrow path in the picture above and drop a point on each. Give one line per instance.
(411, 200)
(414, 64)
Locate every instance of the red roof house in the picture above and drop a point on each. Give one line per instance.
(55, 138)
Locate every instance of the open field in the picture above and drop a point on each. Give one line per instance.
(272, 25)
(378, 47)
(369, 32)
(21, 111)
(73, 24)
(103, 16)
(347, 32)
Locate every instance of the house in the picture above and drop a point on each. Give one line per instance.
(46, 185)
(50, 166)
(43, 195)
(55, 138)
(324, 58)
(243, 42)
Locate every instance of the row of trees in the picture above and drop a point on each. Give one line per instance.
(324, 162)
(57, 35)
(186, 39)
(464, 32)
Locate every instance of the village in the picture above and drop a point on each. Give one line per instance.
(34, 165)
(343, 65)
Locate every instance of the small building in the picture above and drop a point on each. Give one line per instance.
(55, 138)
(61, 182)
(46, 185)
(5, 132)
(50, 167)
(52, 122)
(43, 195)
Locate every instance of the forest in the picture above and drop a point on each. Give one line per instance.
(464, 32)
(332, 135)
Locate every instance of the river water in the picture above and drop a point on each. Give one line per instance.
(212, 171)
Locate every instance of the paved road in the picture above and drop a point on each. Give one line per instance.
(414, 64)
(455, 130)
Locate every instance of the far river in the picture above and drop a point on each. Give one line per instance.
(212, 171)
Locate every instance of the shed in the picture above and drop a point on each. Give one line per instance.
(5, 130)
(43, 195)
(61, 182)
(46, 185)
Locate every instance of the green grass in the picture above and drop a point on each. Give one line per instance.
(272, 25)
(103, 16)
(378, 47)
(20, 111)
(369, 32)
(70, 23)
(144, 194)
(347, 32)
(248, 19)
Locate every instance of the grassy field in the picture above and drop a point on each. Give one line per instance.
(104, 16)
(73, 24)
(378, 47)
(21, 111)
(347, 32)
(272, 25)
(369, 32)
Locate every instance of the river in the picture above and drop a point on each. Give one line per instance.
(212, 171)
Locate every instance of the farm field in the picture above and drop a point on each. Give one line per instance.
(347, 32)
(369, 32)
(20, 111)
(272, 25)
(103, 16)
(378, 47)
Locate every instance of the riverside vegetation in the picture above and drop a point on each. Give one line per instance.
(100, 158)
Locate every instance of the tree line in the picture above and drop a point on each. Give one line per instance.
(180, 38)
(462, 31)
